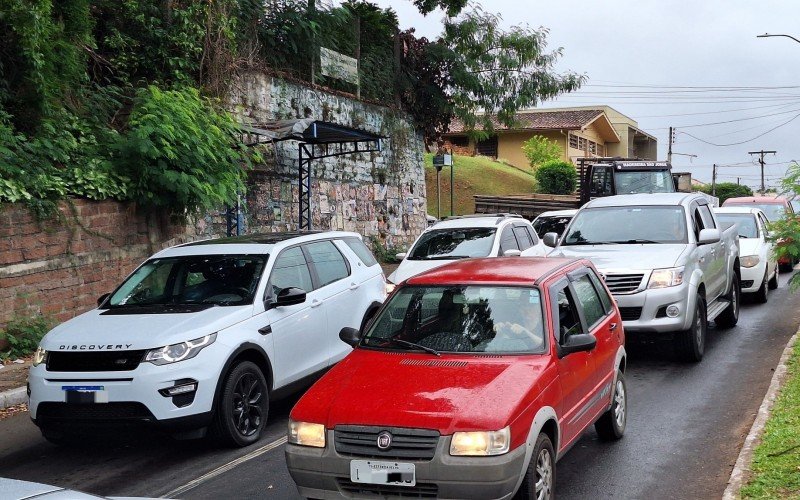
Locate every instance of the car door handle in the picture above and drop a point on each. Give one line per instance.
(612, 326)
(316, 303)
(354, 286)
(265, 330)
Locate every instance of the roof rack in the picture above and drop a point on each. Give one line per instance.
(472, 216)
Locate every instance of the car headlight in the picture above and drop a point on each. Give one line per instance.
(480, 443)
(662, 278)
(179, 352)
(39, 357)
(750, 260)
(307, 434)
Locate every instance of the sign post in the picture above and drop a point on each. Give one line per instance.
(340, 66)
(444, 159)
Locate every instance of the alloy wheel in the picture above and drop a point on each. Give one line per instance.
(544, 475)
(246, 402)
(619, 409)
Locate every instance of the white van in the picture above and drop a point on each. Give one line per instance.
(202, 336)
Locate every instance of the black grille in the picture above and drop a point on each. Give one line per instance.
(623, 283)
(747, 283)
(662, 312)
(420, 490)
(93, 411)
(113, 361)
(630, 313)
(362, 441)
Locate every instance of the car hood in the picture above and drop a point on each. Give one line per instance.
(140, 331)
(411, 268)
(750, 246)
(637, 256)
(447, 393)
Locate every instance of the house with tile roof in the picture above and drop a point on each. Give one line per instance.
(578, 131)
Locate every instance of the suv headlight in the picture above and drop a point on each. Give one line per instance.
(307, 434)
(39, 357)
(750, 261)
(179, 352)
(663, 278)
(484, 443)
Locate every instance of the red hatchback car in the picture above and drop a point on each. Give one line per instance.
(471, 381)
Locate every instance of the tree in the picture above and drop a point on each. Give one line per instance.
(725, 190)
(786, 232)
(539, 150)
(557, 177)
(451, 7)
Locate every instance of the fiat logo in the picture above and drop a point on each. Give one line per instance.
(384, 440)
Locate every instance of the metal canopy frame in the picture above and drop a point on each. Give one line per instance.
(317, 140)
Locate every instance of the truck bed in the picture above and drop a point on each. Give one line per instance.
(526, 205)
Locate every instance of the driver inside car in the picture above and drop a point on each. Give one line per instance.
(522, 327)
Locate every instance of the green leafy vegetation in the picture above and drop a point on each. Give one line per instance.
(539, 150)
(776, 460)
(557, 177)
(725, 190)
(786, 232)
(23, 336)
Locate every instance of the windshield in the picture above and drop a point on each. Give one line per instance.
(460, 319)
(636, 224)
(648, 181)
(454, 244)
(551, 224)
(746, 224)
(773, 211)
(223, 280)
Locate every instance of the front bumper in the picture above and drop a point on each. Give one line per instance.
(324, 473)
(753, 276)
(649, 309)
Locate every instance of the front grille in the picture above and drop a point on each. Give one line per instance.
(93, 411)
(362, 441)
(111, 361)
(623, 283)
(420, 490)
(747, 283)
(630, 313)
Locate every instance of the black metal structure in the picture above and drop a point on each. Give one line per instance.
(317, 140)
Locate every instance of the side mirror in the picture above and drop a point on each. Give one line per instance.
(400, 256)
(102, 299)
(512, 252)
(578, 342)
(289, 297)
(550, 239)
(350, 336)
(708, 236)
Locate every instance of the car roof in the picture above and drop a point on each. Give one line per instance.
(654, 199)
(475, 220)
(737, 210)
(558, 213)
(766, 200)
(251, 243)
(495, 271)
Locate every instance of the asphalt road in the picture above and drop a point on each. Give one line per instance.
(685, 428)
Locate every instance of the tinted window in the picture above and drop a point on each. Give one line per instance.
(601, 181)
(589, 300)
(747, 225)
(627, 224)
(328, 262)
(708, 219)
(523, 238)
(290, 270)
(360, 249)
(453, 244)
(568, 320)
(544, 225)
(507, 240)
(601, 291)
(655, 181)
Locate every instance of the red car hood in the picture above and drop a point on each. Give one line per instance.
(447, 393)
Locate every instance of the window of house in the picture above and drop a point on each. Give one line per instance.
(459, 140)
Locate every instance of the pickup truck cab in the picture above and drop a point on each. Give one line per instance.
(471, 382)
(670, 264)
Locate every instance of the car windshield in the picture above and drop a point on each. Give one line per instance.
(634, 224)
(746, 224)
(454, 244)
(648, 181)
(551, 224)
(773, 211)
(222, 280)
(460, 318)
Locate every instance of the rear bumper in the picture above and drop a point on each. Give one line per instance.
(324, 473)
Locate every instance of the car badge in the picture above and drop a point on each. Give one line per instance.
(384, 440)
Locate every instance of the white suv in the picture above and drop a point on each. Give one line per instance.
(203, 336)
(482, 235)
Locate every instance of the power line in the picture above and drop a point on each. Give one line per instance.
(639, 117)
(732, 121)
(742, 142)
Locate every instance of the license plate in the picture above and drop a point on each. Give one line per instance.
(372, 472)
(85, 393)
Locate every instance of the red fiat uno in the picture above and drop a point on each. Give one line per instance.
(471, 382)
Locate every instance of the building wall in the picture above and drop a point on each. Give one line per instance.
(590, 133)
(509, 145)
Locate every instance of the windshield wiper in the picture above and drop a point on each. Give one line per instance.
(593, 243)
(633, 241)
(412, 344)
(446, 257)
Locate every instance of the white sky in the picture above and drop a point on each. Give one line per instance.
(672, 43)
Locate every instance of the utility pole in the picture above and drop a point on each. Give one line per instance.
(714, 180)
(761, 161)
(739, 180)
(669, 149)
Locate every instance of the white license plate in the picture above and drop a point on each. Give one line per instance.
(85, 393)
(374, 472)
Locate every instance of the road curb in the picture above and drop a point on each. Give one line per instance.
(13, 397)
(741, 470)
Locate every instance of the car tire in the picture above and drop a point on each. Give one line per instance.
(773, 282)
(762, 294)
(540, 477)
(730, 316)
(243, 406)
(53, 436)
(690, 344)
(785, 267)
(611, 425)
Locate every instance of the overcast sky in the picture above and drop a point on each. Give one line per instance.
(663, 44)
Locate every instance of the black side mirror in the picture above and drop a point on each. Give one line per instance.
(289, 297)
(578, 342)
(102, 299)
(350, 336)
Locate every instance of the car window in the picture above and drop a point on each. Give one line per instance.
(588, 299)
(290, 270)
(550, 224)
(507, 240)
(569, 322)
(532, 234)
(764, 225)
(447, 244)
(601, 181)
(360, 249)
(747, 225)
(328, 262)
(708, 219)
(523, 238)
(601, 291)
(698, 222)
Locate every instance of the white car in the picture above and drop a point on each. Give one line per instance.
(455, 238)
(14, 489)
(203, 336)
(759, 267)
(555, 221)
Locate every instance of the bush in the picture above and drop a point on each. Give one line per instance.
(725, 190)
(23, 336)
(557, 177)
(540, 150)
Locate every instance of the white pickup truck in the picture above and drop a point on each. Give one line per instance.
(668, 262)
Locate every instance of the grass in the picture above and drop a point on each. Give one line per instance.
(474, 175)
(776, 460)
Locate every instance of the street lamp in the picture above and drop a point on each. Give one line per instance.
(766, 35)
